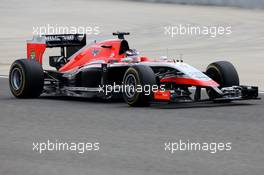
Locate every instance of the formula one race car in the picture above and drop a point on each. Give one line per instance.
(111, 69)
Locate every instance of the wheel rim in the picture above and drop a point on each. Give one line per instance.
(130, 86)
(16, 79)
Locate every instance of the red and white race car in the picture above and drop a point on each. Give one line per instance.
(111, 69)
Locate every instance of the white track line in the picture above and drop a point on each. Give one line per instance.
(3, 76)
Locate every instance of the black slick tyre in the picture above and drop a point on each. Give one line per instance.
(224, 73)
(138, 76)
(26, 79)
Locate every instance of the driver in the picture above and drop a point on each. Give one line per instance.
(131, 55)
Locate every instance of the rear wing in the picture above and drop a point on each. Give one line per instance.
(69, 44)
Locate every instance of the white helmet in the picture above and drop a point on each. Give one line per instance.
(132, 53)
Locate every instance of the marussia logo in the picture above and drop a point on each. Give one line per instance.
(95, 52)
(32, 54)
(58, 38)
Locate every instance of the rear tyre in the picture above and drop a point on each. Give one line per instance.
(138, 76)
(26, 79)
(224, 73)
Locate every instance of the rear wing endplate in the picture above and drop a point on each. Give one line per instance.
(67, 42)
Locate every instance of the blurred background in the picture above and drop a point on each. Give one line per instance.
(231, 3)
(145, 20)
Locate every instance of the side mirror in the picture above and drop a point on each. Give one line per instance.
(106, 46)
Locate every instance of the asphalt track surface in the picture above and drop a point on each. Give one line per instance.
(145, 22)
(131, 139)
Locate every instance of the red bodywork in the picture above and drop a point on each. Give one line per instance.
(95, 52)
(108, 51)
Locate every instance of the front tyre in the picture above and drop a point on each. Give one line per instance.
(138, 82)
(224, 73)
(26, 79)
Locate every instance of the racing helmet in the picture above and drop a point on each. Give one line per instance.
(132, 53)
